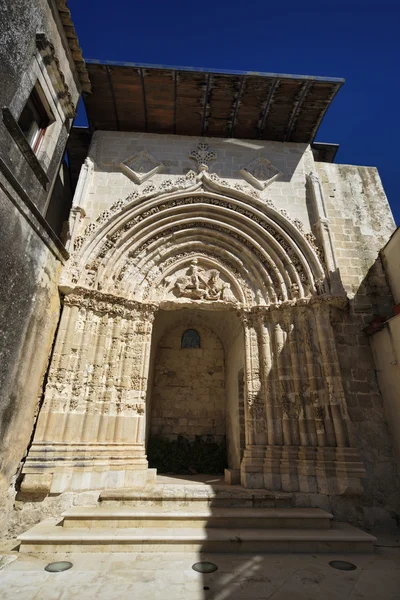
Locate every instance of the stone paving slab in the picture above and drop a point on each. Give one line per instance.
(161, 576)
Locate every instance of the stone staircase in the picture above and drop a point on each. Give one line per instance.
(194, 518)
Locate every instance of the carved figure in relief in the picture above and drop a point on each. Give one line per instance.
(199, 284)
(320, 286)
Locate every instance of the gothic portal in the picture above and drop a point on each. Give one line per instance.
(196, 307)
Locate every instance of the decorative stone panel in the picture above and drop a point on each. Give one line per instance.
(141, 166)
(260, 173)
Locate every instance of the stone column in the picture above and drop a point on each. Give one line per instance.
(297, 425)
(255, 408)
(323, 233)
(91, 427)
(331, 373)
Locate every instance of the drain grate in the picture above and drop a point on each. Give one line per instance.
(204, 567)
(342, 565)
(57, 567)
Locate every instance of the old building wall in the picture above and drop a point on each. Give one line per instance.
(361, 223)
(188, 396)
(386, 350)
(385, 343)
(29, 311)
(21, 66)
(33, 48)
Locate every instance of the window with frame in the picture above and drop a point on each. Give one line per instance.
(35, 118)
(190, 339)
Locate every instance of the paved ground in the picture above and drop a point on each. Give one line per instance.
(121, 576)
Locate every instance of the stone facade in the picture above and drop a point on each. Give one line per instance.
(34, 51)
(275, 254)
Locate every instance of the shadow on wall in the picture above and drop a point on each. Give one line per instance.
(380, 504)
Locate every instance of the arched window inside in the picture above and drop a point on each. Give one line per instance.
(190, 339)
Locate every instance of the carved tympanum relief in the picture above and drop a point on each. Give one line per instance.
(260, 173)
(197, 283)
(141, 166)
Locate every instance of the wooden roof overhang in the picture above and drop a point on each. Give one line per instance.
(188, 101)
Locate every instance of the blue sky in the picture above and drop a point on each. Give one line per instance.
(355, 39)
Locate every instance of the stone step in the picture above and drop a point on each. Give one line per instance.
(206, 517)
(196, 496)
(48, 536)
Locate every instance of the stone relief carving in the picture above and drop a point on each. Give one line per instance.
(141, 166)
(199, 284)
(256, 404)
(292, 407)
(203, 155)
(248, 213)
(243, 284)
(138, 251)
(111, 305)
(260, 173)
(312, 240)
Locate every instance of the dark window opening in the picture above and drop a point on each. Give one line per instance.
(190, 339)
(35, 118)
(60, 202)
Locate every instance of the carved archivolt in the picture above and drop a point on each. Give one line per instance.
(189, 182)
(127, 250)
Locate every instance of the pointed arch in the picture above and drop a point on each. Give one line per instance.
(260, 253)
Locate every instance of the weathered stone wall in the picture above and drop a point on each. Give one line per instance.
(29, 311)
(31, 254)
(386, 350)
(188, 396)
(361, 223)
(20, 67)
(385, 344)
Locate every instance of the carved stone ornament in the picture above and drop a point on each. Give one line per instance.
(260, 173)
(141, 166)
(108, 304)
(199, 284)
(203, 155)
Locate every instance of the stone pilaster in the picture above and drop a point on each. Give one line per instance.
(293, 372)
(91, 428)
